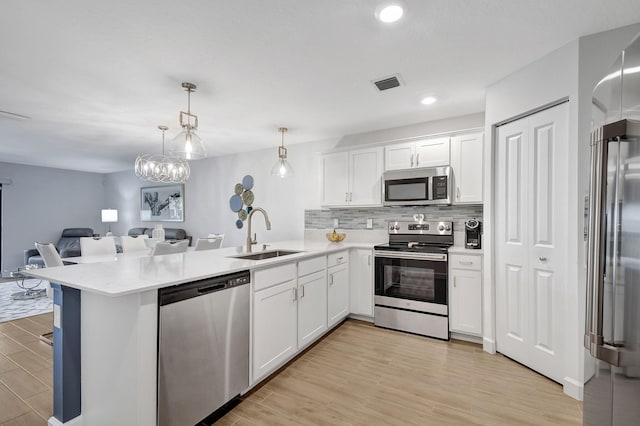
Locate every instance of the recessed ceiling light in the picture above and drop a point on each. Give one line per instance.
(428, 100)
(389, 13)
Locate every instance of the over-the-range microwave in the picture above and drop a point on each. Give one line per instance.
(418, 187)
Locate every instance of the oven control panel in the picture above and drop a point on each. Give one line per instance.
(421, 228)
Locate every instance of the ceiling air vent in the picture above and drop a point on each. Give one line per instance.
(387, 83)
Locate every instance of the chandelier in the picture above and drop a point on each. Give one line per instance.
(282, 168)
(162, 168)
(187, 144)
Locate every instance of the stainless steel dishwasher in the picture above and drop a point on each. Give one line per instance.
(203, 347)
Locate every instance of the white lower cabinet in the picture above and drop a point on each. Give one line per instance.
(312, 301)
(465, 294)
(275, 310)
(337, 287)
(361, 282)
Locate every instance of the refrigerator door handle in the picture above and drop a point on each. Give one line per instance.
(596, 243)
(608, 354)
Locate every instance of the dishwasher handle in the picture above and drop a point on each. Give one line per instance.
(211, 288)
(180, 292)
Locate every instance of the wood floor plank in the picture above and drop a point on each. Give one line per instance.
(362, 375)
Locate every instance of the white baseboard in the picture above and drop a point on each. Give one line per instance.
(76, 421)
(489, 345)
(361, 317)
(573, 388)
(466, 338)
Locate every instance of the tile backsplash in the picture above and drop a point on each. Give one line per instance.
(356, 218)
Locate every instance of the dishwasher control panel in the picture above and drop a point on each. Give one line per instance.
(233, 282)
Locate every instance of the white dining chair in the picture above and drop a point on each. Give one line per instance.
(49, 254)
(130, 244)
(170, 247)
(94, 246)
(209, 243)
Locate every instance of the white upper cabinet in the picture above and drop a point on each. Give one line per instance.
(467, 164)
(421, 153)
(352, 178)
(335, 178)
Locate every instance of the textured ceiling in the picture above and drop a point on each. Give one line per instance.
(98, 77)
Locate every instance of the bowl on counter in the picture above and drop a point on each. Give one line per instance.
(336, 237)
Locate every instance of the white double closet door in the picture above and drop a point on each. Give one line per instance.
(531, 238)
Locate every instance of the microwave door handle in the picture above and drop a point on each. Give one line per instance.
(429, 193)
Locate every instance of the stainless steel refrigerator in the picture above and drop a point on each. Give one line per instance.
(612, 331)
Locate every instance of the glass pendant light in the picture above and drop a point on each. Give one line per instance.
(187, 144)
(282, 168)
(162, 168)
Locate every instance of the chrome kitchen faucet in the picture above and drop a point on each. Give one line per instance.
(250, 241)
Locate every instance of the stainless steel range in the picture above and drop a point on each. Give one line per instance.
(411, 278)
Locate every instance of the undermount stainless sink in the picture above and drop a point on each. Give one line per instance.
(266, 254)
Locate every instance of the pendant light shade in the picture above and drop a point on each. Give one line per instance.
(162, 168)
(282, 168)
(187, 144)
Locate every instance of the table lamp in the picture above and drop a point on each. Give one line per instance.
(109, 216)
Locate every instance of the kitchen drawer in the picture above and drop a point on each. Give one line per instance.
(463, 261)
(263, 278)
(337, 258)
(309, 266)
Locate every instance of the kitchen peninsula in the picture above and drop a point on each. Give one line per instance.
(106, 325)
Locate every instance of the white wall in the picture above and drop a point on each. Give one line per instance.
(211, 185)
(40, 202)
(570, 72)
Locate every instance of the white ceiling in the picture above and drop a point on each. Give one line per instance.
(98, 77)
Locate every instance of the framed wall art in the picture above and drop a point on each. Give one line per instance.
(162, 203)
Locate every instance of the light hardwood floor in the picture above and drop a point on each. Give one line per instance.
(362, 375)
(26, 372)
(357, 375)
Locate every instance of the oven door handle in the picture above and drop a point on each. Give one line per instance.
(411, 256)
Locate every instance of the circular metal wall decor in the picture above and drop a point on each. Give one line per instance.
(242, 199)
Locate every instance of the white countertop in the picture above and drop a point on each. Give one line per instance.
(463, 250)
(127, 274)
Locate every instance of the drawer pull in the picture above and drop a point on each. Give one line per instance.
(542, 259)
(465, 262)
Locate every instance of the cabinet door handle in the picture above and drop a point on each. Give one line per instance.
(294, 292)
(330, 279)
(302, 288)
(454, 281)
(417, 160)
(346, 197)
(411, 160)
(369, 260)
(458, 192)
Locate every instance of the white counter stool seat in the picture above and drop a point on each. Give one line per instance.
(213, 241)
(137, 243)
(170, 247)
(95, 246)
(51, 259)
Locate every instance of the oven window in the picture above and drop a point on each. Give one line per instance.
(406, 189)
(420, 280)
(406, 282)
